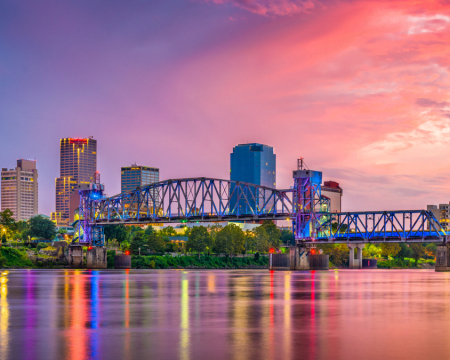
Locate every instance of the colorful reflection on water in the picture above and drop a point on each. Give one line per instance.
(186, 315)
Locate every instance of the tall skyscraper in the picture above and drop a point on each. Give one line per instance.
(19, 190)
(253, 163)
(78, 164)
(136, 175)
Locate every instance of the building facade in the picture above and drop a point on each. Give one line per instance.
(441, 213)
(252, 163)
(78, 165)
(137, 176)
(19, 190)
(333, 191)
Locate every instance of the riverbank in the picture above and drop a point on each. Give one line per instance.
(23, 258)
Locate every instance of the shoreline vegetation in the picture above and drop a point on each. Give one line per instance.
(34, 244)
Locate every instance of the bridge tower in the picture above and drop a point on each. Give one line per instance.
(307, 201)
(88, 233)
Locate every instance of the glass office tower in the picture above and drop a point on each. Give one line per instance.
(253, 163)
(136, 176)
(78, 165)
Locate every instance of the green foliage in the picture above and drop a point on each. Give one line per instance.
(149, 230)
(338, 253)
(118, 232)
(206, 262)
(15, 257)
(405, 251)
(257, 256)
(286, 236)
(342, 229)
(6, 220)
(125, 245)
(168, 231)
(418, 251)
(138, 241)
(41, 227)
(41, 245)
(199, 240)
(261, 239)
(371, 251)
(389, 249)
(230, 240)
(110, 254)
(3, 261)
(4, 238)
(431, 249)
(273, 232)
(156, 242)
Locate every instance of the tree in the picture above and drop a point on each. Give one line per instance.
(168, 231)
(138, 241)
(213, 230)
(371, 251)
(250, 240)
(156, 242)
(41, 227)
(418, 251)
(230, 240)
(431, 249)
(286, 236)
(273, 232)
(149, 230)
(338, 253)
(389, 249)
(199, 239)
(4, 238)
(405, 251)
(6, 221)
(261, 236)
(118, 232)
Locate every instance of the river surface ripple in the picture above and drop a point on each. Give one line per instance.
(224, 314)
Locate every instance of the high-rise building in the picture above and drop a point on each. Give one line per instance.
(19, 190)
(441, 213)
(78, 164)
(333, 191)
(136, 176)
(253, 163)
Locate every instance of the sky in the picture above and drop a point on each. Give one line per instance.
(359, 89)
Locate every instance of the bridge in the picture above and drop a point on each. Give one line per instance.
(212, 200)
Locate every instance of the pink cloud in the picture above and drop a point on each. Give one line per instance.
(271, 7)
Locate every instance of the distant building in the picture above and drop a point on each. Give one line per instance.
(331, 190)
(137, 176)
(78, 165)
(19, 190)
(252, 163)
(441, 213)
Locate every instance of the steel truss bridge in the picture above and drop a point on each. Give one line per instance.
(213, 200)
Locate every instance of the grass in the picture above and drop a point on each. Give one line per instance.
(205, 262)
(12, 257)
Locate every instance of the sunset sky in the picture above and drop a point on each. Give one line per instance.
(359, 89)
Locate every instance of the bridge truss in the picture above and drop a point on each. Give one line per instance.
(212, 200)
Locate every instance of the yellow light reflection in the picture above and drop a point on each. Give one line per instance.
(184, 325)
(212, 283)
(287, 315)
(4, 316)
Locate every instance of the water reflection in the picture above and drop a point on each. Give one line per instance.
(223, 314)
(184, 324)
(4, 316)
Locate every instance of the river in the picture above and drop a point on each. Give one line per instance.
(224, 314)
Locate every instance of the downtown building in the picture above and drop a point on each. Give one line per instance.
(19, 190)
(78, 165)
(135, 176)
(334, 192)
(255, 164)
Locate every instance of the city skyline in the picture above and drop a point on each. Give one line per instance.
(368, 115)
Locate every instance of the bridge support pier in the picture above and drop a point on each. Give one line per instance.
(355, 263)
(76, 257)
(442, 258)
(96, 258)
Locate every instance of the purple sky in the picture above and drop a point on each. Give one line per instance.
(359, 89)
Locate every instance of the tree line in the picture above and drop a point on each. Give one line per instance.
(229, 240)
